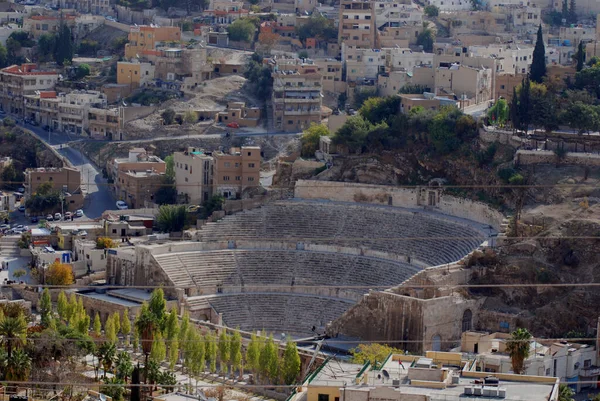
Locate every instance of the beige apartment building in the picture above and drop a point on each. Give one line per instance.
(193, 175)
(357, 23)
(67, 180)
(237, 171)
(239, 113)
(17, 81)
(190, 66)
(331, 71)
(297, 95)
(137, 177)
(146, 38)
(401, 36)
(470, 83)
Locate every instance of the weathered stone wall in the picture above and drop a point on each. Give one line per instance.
(404, 197)
(527, 157)
(407, 323)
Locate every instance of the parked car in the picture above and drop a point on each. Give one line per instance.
(21, 208)
(68, 215)
(57, 216)
(34, 219)
(50, 217)
(79, 213)
(122, 205)
(233, 125)
(21, 190)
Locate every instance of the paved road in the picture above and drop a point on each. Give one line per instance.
(99, 196)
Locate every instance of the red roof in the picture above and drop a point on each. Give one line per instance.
(47, 94)
(26, 69)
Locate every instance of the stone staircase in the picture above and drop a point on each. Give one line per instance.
(9, 246)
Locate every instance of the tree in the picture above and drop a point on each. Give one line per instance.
(18, 366)
(45, 47)
(235, 352)
(110, 331)
(88, 48)
(373, 352)
(106, 356)
(45, 308)
(582, 116)
(241, 30)
(565, 393)
(310, 139)
(158, 307)
(126, 323)
(17, 274)
(62, 305)
(498, 113)
(123, 365)
(431, 11)
(224, 351)
(195, 350)
(580, 56)
(83, 70)
(97, 325)
(159, 352)
(253, 354)
(13, 332)
(269, 360)
(378, 109)
(319, 27)
(171, 328)
(3, 56)
(210, 351)
(565, 10)
(290, 365)
(524, 104)
(518, 349)
(258, 77)
(105, 243)
(59, 274)
(572, 12)
(190, 117)
(268, 40)
(63, 49)
(171, 218)
(538, 63)
(168, 116)
(426, 39)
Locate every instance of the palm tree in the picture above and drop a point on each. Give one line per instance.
(13, 332)
(18, 366)
(565, 393)
(107, 353)
(124, 366)
(518, 348)
(146, 325)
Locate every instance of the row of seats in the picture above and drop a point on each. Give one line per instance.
(431, 239)
(277, 313)
(250, 267)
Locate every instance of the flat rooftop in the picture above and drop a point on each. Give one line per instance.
(336, 373)
(132, 294)
(109, 298)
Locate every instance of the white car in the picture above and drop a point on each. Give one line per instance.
(68, 215)
(57, 216)
(122, 205)
(79, 213)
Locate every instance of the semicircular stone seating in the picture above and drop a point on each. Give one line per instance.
(430, 238)
(276, 313)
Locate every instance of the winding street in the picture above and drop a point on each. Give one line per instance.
(99, 196)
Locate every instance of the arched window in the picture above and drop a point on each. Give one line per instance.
(467, 320)
(436, 343)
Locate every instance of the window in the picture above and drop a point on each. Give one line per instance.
(225, 178)
(50, 179)
(250, 179)
(114, 231)
(186, 179)
(249, 153)
(237, 164)
(587, 363)
(238, 178)
(227, 164)
(250, 165)
(501, 86)
(38, 178)
(323, 397)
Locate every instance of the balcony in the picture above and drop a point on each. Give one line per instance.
(301, 112)
(590, 371)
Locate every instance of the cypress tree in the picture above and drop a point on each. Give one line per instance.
(524, 115)
(580, 56)
(565, 10)
(63, 47)
(538, 64)
(572, 12)
(514, 110)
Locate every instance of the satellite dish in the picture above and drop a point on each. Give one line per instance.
(124, 104)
